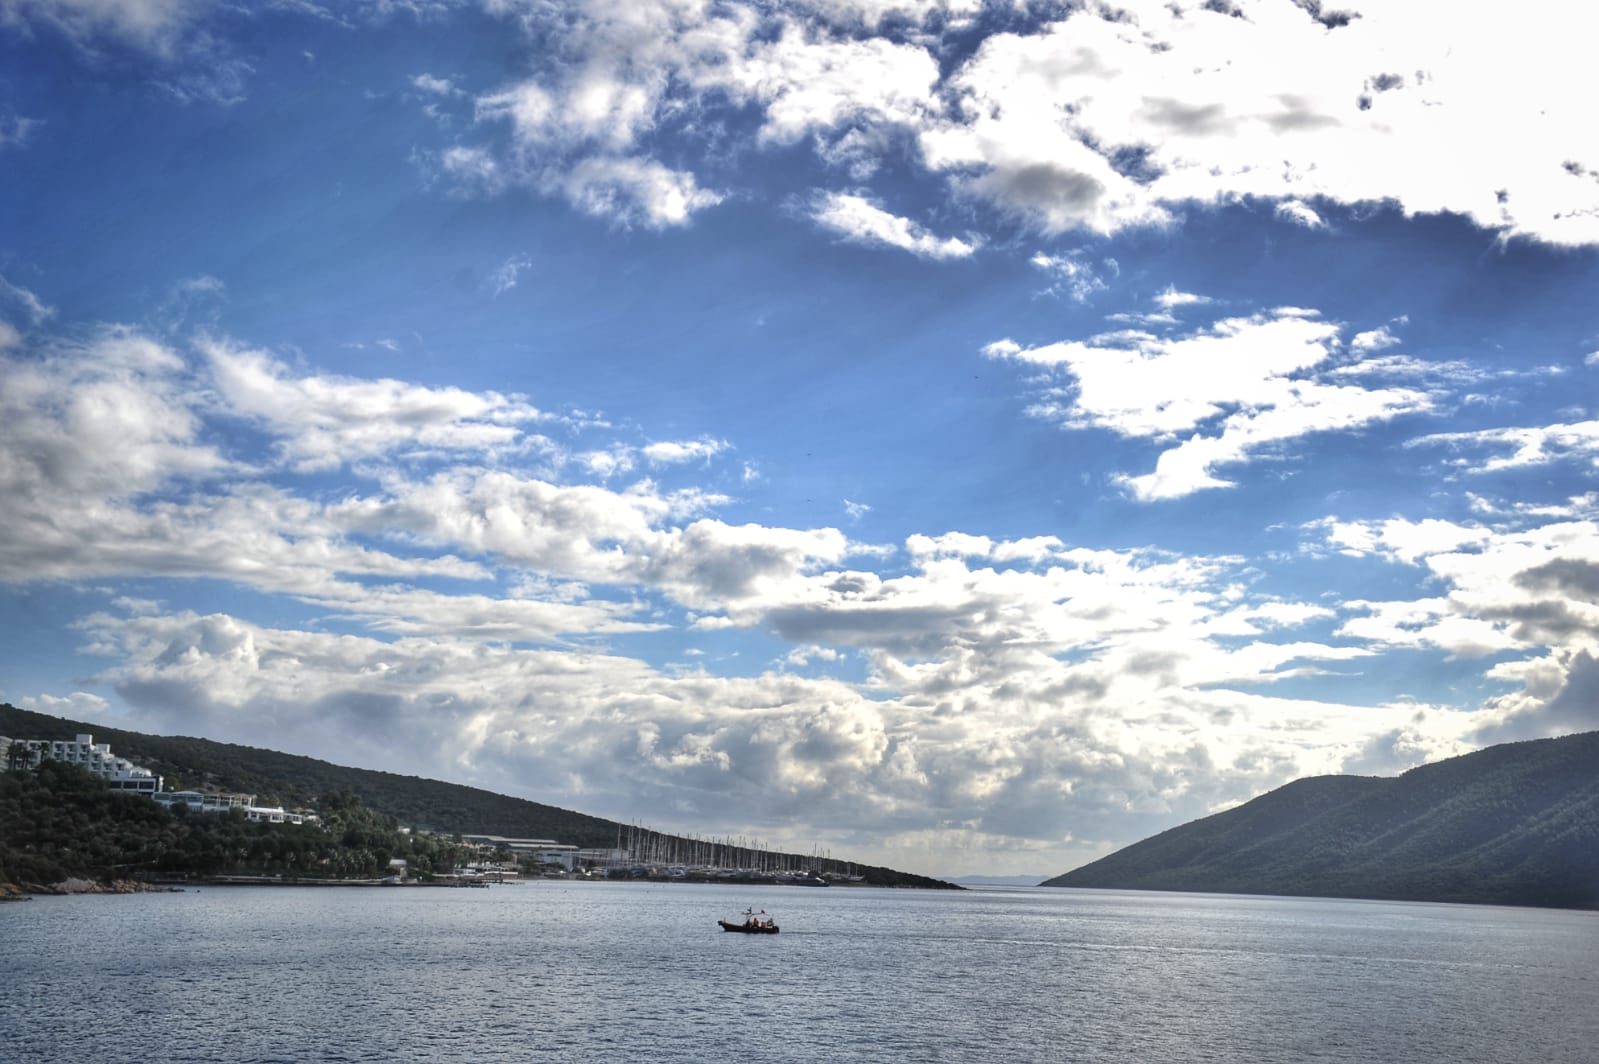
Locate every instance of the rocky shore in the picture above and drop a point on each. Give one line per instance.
(24, 891)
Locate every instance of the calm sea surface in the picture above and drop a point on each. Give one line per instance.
(640, 972)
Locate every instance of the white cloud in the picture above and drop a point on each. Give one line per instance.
(1170, 298)
(108, 469)
(474, 168)
(150, 24)
(605, 464)
(681, 451)
(634, 191)
(509, 272)
(805, 655)
(1070, 275)
(1099, 120)
(1300, 214)
(180, 47)
(1527, 591)
(20, 304)
(576, 134)
(954, 734)
(1235, 388)
(1405, 540)
(434, 85)
(1371, 340)
(863, 222)
(1274, 105)
(104, 419)
(871, 13)
(323, 422)
(1026, 688)
(1516, 448)
(811, 83)
(79, 705)
(15, 130)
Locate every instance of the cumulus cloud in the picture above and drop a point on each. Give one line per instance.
(1573, 707)
(954, 737)
(105, 418)
(1373, 340)
(1514, 586)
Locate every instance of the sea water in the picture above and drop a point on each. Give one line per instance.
(640, 972)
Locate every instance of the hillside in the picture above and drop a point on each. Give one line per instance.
(1516, 824)
(291, 780)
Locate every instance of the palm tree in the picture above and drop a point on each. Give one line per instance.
(18, 756)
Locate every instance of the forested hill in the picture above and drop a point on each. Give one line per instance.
(291, 781)
(1516, 824)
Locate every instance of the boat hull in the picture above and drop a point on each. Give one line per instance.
(748, 929)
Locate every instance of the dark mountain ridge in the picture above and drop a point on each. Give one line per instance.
(294, 781)
(1515, 824)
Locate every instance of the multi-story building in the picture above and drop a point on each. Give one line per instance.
(120, 774)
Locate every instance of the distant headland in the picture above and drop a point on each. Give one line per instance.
(222, 811)
(1514, 824)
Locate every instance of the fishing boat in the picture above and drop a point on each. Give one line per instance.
(754, 923)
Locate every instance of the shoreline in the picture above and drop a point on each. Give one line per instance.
(76, 885)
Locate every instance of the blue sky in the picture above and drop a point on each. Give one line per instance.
(963, 436)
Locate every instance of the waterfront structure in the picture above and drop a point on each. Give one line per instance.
(120, 774)
(200, 802)
(544, 851)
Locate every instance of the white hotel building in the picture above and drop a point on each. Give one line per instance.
(124, 777)
(119, 773)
